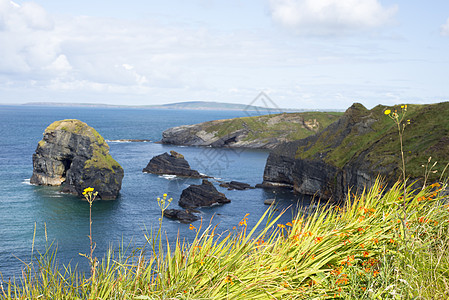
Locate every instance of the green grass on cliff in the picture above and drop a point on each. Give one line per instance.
(427, 135)
(365, 249)
(287, 126)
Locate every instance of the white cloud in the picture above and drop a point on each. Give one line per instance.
(26, 40)
(330, 17)
(445, 28)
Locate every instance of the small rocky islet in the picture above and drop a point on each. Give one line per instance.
(171, 164)
(75, 156)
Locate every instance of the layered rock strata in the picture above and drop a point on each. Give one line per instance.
(363, 144)
(74, 155)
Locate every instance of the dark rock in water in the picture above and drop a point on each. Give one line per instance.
(235, 185)
(171, 164)
(202, 195)
(269, 201)
(183, 216)
(74, 155)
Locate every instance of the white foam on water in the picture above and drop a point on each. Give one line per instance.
(168, 177)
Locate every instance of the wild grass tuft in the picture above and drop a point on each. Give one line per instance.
(361, 250)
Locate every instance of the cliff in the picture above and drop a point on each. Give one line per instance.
(362, 144)
(251, 132)
(76, 156)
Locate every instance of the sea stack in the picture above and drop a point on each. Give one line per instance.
(76, 156)
(171, 164)
(201, 195)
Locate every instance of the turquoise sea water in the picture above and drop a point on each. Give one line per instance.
(65, 217)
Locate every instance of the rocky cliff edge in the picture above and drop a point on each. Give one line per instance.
(363, 144)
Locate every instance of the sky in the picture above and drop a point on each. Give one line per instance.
(310, 54)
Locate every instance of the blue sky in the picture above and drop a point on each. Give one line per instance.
(302, 53)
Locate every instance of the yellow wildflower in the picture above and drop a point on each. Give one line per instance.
(387, 112)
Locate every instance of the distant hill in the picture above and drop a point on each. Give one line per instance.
(189, 105)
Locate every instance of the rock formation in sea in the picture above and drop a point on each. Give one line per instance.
(171, 164)
(204, 194)
(236, 185)
(181, 215)
(76, 156)
(265, 131)
(349, 154)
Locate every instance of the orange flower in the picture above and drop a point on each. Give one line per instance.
(365, 253)
(289, 224)
(318, 239)
(281, 225)
(191, 227)
(375, 273)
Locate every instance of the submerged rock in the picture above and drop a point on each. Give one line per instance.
(76, 156)
(171, 164)
(201, 195)
(269, 201)
(183, 216)
(235, 185)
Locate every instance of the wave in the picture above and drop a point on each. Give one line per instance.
(26, 181)
(128, 141)
(168, 177)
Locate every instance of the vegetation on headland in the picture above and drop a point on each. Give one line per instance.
(374, 137)
(290, 126)
(361, 250)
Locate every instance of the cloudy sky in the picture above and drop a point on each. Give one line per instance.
(302, 53)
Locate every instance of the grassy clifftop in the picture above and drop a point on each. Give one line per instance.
(265, 131)
(291, 126)
(372, 136)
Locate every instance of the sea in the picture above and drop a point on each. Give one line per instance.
(34, 219)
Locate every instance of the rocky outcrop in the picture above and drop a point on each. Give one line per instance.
(265, 131)
(74, 155)
(352, 152)
(236, 185)
(171, 164)
(181, 215)
(201, 195)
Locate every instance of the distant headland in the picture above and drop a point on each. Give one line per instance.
(188, 105)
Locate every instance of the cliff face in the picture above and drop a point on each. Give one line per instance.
(74, 155)
(350, 153)
(265, 131)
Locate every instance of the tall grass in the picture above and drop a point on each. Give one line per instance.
(361, 250)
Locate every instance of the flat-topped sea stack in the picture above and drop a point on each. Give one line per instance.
(76, 156)
(171, 164)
